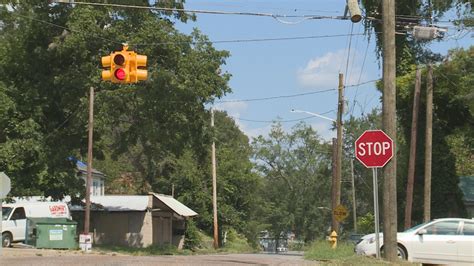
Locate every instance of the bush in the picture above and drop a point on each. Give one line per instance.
(236, 242)
(366, 224)
(192, 237)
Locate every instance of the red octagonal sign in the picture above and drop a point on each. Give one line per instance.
(374, 148)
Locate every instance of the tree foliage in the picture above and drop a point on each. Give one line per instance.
(410, 13)
(296, 169)
(453, 118)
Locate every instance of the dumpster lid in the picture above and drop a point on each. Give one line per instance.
(49, 220)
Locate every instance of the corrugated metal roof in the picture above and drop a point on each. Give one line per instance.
(121, 202)
(175, 205)
(117, 203)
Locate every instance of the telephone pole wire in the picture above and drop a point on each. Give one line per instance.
(389, 126)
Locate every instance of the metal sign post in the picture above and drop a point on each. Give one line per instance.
(374, 149)
(5, 186)
(376, 212)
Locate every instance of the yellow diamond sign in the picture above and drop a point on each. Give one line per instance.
(340, 213)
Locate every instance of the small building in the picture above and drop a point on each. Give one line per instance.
(98, 178)
(136, 221)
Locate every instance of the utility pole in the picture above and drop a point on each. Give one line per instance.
(337, 157)
(390, 127)
(340, 111)
(354, 213)
(334, 223)
(214, 184)
(89, 162)
(428, 144)
(412, 159)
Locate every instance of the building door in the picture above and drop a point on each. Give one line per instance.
(161, 230)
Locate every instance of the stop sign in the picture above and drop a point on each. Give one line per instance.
(374, 148)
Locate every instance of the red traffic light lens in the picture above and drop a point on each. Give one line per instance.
(119, 59)
(120, 74)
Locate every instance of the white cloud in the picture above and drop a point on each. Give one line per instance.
(324, 129)
(322, 72)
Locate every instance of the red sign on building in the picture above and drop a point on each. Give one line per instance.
(374, 148)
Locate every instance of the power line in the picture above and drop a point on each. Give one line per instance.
(194, 42)
(200, 11)
(278, 120)
(348, 54)
(363, 83)
(271, 121)
(64, 28)
(360, 75)
(257, 39)
(275, 97)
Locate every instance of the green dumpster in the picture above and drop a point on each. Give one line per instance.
(51, 233)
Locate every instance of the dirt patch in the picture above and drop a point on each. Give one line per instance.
(25, 251)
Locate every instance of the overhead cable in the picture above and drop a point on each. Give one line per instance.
(195, 42)
(200, 11)
(275, 97)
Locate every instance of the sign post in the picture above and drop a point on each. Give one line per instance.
(374, 149)
(5, 187)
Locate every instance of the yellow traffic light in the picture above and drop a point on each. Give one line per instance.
(106, 63)
(120, 67)
(137, 63)
(124, 67)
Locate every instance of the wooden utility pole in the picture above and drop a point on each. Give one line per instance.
(334, 223)
(412, 159)
(337, 157)
(354, 213)
(214, 185)
(428, 145)
(340, 111)
(89, 163)
(390, 127)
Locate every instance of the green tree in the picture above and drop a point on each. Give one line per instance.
(49, 58)
(452, 134)
(296, 169)
(353, 128)
(409, 13)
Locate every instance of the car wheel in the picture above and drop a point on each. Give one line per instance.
(401, 252)
(6, 239)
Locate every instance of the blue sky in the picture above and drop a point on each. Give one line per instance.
(276, 68)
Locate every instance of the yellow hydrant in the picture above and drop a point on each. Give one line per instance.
(333, 239)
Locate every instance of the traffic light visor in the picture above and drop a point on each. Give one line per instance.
(106, 61)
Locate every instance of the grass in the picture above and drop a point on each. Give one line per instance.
(343, 255)
(148, 251)
(321, 250)
(235, 244)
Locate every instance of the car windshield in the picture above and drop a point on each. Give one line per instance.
(414, 228)
(6, 212)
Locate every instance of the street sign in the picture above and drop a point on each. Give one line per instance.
(340, 213)
(4, 185)
(374, 148)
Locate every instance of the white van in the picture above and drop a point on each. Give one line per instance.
(14, 217)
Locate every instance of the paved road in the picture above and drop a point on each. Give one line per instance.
(52, 257)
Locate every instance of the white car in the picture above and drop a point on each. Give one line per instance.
(441, 241)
